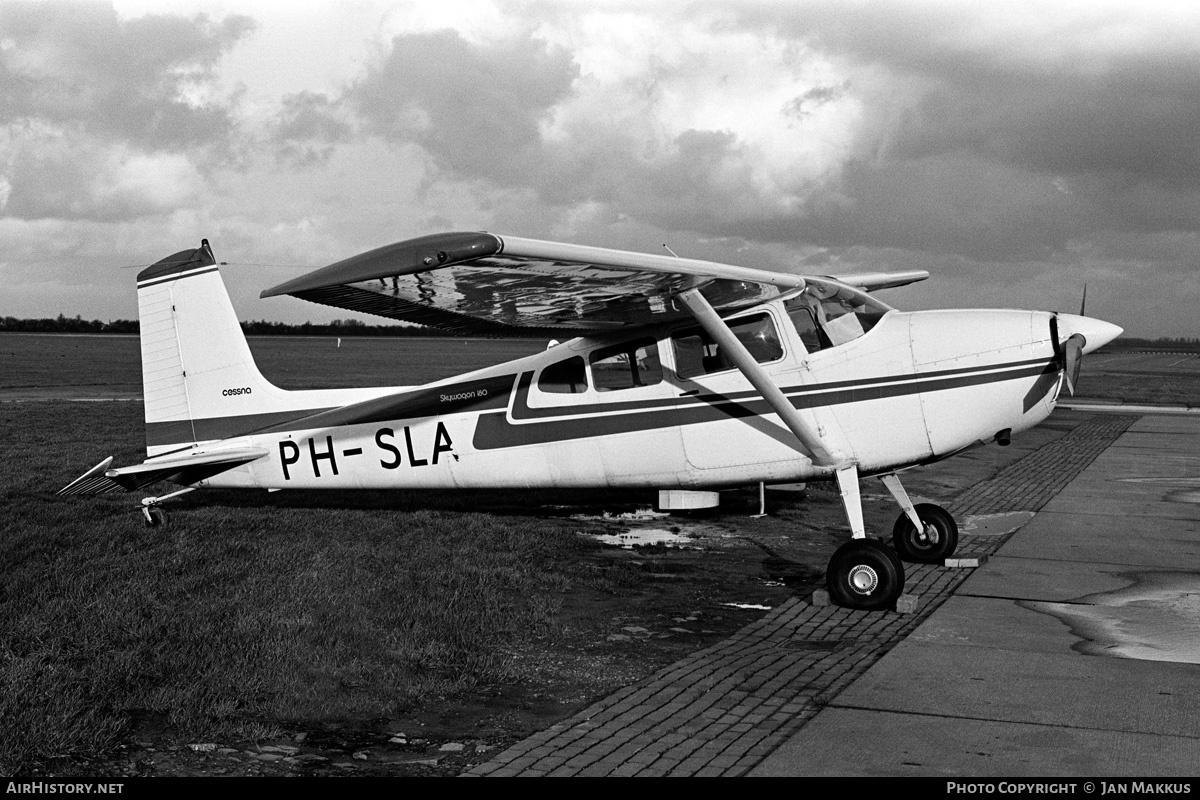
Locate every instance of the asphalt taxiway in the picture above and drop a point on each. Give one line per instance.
(1074, 650)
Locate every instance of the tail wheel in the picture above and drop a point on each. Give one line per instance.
(932, 545)
(865, 574)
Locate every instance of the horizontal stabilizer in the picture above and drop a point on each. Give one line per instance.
(184, 470)
(93, 481)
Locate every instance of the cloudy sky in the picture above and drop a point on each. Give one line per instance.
(1016, 150)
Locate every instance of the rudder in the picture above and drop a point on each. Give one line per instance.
(196, 365)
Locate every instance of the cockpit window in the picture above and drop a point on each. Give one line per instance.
(827, 315)
(626, 365)
(697, 354)
(564, 377)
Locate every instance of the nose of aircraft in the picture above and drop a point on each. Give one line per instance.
(1095, 332)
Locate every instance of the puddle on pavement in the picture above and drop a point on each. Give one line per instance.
(636, 529)
(1179, 490)
(1152, 620)
(643, 537)
(637, 535)
(994, 524)
(639, 515)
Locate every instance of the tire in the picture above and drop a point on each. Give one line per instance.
(865, 574)
(939, 541)
(154, 516)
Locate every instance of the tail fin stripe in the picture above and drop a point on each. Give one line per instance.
(177, 277)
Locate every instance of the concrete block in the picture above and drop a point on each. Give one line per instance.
(907, 603)
(686, 500)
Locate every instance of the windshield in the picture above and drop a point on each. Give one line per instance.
(827, 314)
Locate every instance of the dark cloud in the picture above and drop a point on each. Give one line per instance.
(947, 204)
(998, 135)
(78, 66)
(309, 127)
(1134, 120)
(476, 109)
(707, 184)
(67, 178)
(804, 104)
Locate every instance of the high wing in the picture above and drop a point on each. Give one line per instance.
(485, 284)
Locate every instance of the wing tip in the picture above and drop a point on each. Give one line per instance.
(873, 281)
(410, 255)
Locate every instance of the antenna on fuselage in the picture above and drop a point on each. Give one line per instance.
(1083, 305)
(669, 250)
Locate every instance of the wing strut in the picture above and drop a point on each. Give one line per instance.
(715, 327)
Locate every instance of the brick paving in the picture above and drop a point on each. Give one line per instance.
(721, 710)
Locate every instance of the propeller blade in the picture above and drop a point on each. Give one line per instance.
(1072, 352)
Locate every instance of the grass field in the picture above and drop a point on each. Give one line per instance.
(1141, 377)
(247, 611)
(105, 362)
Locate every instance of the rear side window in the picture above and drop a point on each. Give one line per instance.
(626, 365)
(564, 377)
(697, 354)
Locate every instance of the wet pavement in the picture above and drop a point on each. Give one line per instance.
(1070, 651)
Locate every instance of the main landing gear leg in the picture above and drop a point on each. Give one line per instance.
(924, 533)
(863, 573)
(151, 509)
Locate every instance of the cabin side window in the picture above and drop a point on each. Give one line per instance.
(626, 365)
(564, 377)
(697, 354)
(827, 316)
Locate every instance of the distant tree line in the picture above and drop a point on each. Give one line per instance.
(1181, 343)
(338, 327)
(65, 324)
(352, 327)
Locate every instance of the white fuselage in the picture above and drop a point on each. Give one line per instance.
(916, 387)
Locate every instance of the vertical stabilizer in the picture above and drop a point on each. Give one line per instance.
(197, 369)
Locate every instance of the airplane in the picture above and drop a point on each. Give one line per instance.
(675, 374)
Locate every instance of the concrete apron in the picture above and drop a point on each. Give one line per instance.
(1075, 651)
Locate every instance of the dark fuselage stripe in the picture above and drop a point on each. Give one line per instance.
(522, 411)
(495, 431)
(542, 425)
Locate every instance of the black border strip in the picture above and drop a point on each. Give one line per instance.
(176, 276)
(496, 431)
(522, 411)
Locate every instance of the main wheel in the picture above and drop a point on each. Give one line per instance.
(865, 574)
(154, 516)
(932, 545)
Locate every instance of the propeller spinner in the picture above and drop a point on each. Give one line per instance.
(1075, 336)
